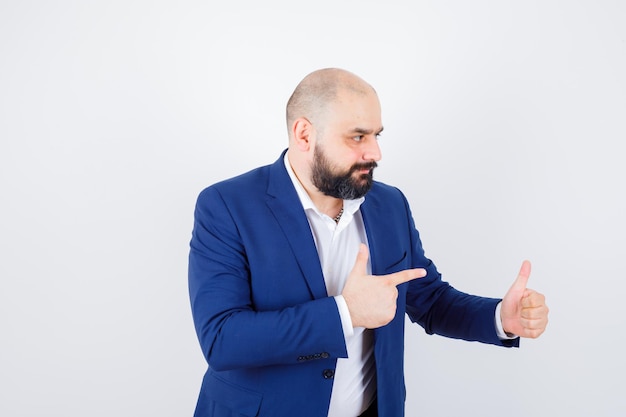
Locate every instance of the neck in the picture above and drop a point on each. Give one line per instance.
(330, 206)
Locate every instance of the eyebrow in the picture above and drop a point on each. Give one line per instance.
(362, 131)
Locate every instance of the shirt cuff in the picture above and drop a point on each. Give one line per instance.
(344, 314)
(499, 329)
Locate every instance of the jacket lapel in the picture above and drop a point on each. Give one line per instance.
(284, 203)
(374, 230)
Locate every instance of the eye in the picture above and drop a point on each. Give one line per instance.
(358, 138)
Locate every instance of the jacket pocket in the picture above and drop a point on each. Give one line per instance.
(397, 265)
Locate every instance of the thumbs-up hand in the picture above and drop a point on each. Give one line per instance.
(524, 311)
(371, 299)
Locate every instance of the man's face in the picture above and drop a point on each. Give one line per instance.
(346, 150)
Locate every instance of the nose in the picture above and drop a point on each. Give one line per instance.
(372, 151)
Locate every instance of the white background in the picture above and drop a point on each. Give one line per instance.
(504, 126)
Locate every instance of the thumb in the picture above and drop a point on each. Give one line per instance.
(522, 278)
(360, 265)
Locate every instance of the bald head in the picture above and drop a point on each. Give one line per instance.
(317, 90)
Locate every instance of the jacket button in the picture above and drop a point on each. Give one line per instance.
(325, 355)
(328, 373)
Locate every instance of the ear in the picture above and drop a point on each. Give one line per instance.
(303, 134)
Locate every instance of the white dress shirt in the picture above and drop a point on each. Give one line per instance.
(354, 385)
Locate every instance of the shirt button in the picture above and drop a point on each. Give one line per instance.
(328, 373)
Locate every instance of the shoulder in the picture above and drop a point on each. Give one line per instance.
(241, 186)
(381, 193)
(387, 199)
(252, 184)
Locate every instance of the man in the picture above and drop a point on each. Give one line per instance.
(300, 273)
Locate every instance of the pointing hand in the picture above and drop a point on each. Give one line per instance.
(372, 299)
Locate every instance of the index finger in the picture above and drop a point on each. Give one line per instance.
(407, 275)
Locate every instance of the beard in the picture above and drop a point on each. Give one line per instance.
(344, 185)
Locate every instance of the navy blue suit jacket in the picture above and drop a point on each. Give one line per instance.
(268, 329)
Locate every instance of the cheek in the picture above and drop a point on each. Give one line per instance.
(340, 157)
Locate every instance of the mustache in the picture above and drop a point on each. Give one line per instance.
(363, 165)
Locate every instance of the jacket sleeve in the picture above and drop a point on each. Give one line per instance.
(441, 309)
(232, 331)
